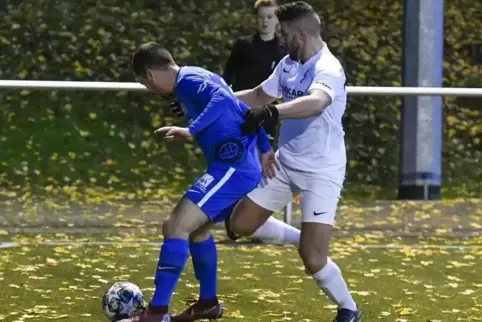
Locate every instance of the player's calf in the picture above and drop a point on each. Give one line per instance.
(185, 219)
(314, 248)
(315, 245)
(205, 260)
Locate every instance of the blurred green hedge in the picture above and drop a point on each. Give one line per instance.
(64, 142)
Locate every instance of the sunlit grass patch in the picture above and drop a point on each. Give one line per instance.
(257, 283)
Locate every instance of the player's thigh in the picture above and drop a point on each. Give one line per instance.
(247, 216)
(273, 194)
(270, 196)
(319, 200)
(204, 232)
(318, 208)
(186, 218)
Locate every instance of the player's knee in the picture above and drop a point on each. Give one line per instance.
(198, 237)
(314, 265)
(171, 228)
(313, 260)
(247, 217)
(241, 227)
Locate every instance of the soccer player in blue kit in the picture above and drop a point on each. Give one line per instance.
(234, 169)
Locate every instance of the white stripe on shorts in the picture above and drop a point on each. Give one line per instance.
(218, 186)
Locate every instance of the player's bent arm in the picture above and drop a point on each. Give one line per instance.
(306, 106)
(213, 111)
(255, 97)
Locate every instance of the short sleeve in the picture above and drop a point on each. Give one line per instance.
(323, 81)
(271, 85)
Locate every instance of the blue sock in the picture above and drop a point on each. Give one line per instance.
(205, 261)
(172, 259)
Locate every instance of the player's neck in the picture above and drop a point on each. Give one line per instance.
(312, 49)
(174, 71)
(266, 37)
(175, 68)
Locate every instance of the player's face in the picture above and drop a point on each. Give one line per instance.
(293, 39)
(266, 20)
(157, 81)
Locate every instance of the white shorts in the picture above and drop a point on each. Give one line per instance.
(319, 194)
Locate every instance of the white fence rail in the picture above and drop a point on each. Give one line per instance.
(352, 90)
(124, 86)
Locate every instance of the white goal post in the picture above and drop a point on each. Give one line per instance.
(125, 86)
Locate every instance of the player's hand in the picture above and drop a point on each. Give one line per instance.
(172, 133)
(256, 117)
(176, 109)
(269, 164)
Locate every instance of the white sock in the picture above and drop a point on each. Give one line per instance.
(331, 282)
(278, 232)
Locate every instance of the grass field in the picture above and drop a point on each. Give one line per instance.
(412, 280)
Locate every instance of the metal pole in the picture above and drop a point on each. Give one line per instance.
(288, 213)
(421, 139)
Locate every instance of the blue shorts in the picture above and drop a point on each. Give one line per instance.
(218, 191)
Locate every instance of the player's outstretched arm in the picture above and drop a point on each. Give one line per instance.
(263, 94)
(172, 133)
(255, 97)
(306, 106)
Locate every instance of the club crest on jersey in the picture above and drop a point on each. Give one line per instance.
(291, 93)
(230, 150)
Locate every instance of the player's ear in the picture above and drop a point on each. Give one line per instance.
(149, 74)
(303, 35)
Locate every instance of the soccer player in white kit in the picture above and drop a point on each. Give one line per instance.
(311, 159)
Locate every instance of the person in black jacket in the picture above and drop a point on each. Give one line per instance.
(254, 57)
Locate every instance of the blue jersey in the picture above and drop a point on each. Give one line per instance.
(215, 116)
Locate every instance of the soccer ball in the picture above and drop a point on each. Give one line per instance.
(122, 300)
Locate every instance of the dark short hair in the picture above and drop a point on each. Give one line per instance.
(150, 55)
(293, 11)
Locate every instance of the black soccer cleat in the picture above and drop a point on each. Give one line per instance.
(198, 312)
(345, 315)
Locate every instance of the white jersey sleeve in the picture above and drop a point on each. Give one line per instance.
(271, 85)
(323, 81)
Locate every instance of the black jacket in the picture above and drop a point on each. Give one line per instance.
(251, 61)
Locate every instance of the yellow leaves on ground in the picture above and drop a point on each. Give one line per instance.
(406, 311)
(234, 314)
(257, 283)
(52, 262)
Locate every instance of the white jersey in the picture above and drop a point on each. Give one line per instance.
(315, 144)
